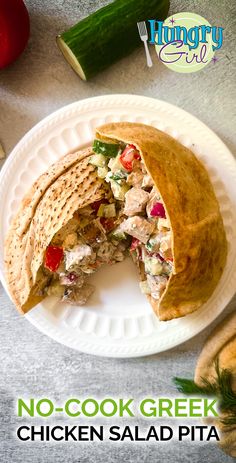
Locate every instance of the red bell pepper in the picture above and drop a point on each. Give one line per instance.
(53, 257)
(128, 156)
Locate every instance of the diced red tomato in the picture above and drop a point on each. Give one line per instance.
(95, 206)
(128, 156)
(108, 224)
(53, 257)
(134, 244)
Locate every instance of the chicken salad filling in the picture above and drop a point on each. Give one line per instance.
(143, 214)
(130, 220)
(79, 249)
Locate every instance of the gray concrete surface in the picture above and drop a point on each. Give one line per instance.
(33, 365)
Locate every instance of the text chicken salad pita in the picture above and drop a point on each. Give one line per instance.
(137, 192)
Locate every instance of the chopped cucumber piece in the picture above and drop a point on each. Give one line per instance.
(110, 210)
(107, 149)
(107, 210)
(153, 245)
(118, 234)
(115, 166)
(119, 175)
(102, 172)
(55, 289)
(148, 246)
(153, 266)
(98, 160)
(144, 287)
(100, 212)
(119, 191)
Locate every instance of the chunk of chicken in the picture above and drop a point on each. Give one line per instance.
(153, 244)
(71, 227)
(93, 232)
(78, 296)
(165, 245)
(135, 201)
(154, 197)
(135, 178)
(55, 289)
(147, 181)
(72, 279)
(163, 224)
(162, 242)
(105, 252)
(138, 227)
(70, 240)
(157, 285)
(76, 255)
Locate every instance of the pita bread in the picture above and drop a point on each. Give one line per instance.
(198, 235)
(220, 345)
(68, 185)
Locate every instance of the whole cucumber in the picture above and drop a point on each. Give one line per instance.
(107, 35)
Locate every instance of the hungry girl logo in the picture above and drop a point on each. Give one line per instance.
(185, 42)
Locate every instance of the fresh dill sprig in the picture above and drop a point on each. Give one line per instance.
(230, 420)
(221, 388)
(188, 386)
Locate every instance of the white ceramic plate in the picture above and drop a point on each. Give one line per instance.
(118, 321)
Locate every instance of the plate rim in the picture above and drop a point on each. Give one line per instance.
(43, 125)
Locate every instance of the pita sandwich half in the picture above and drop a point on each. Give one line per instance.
(199, 246)
(69, 185)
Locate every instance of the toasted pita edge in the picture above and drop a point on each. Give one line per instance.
(222, 339)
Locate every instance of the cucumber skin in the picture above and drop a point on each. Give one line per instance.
(111, 33)
(109, 150)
